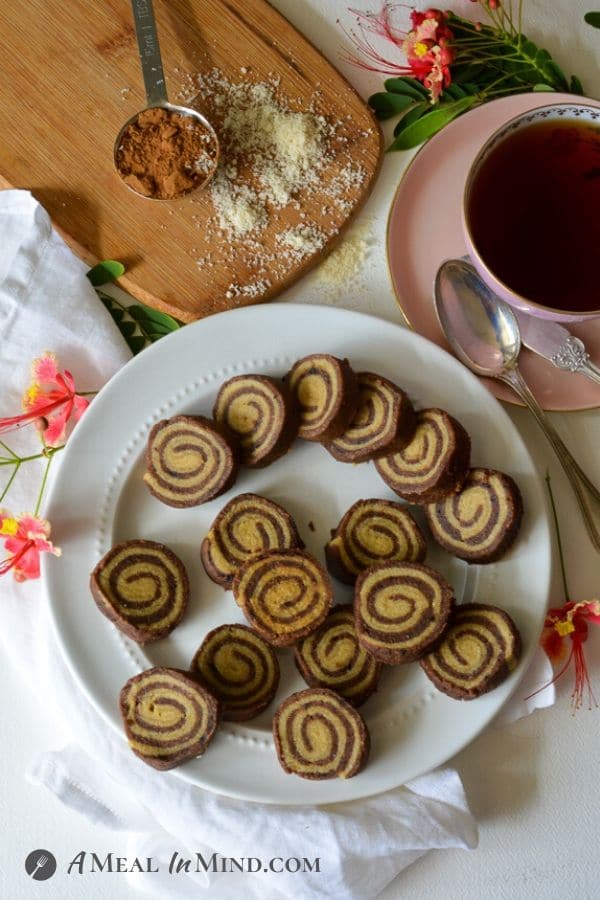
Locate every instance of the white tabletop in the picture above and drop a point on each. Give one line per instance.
(533, 786)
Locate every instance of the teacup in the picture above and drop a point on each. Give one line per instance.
(531, 212)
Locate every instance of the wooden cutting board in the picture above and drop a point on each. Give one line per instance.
(71, 77)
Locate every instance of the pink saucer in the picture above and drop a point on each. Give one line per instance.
(424, 228)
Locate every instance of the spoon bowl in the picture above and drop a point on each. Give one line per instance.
(482, 330)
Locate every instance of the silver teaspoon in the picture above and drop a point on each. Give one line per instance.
(484, 333)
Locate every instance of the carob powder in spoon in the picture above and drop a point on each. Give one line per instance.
(164, 154)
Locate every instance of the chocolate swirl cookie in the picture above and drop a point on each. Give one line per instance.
(326, 390)
(247, 525)
(385, 421)
(168, 717)
(481, 521)
(479, 650)
(189, 461)
(331, 657)
(373, 531)
(261, 414)
(319, 735)
(239, 669)
(284, 594)
(142, 587)
(401, 609)
(434, 464)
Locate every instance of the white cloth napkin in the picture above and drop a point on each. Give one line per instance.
(46, 303)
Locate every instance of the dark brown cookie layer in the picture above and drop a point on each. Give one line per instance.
(284, 594)
(401, 609)
(189, 460)
(319, 735)
(434, 464)
(373, 531)
(262, 415)
(142, 587)
(168, 716)
(385, 421)
(326, 391)
(480, 521)
(239, 668)
(247, 525)
(331, 657)
(480, 648)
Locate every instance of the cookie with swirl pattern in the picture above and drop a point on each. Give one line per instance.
(480, 648)
(373, 531)
(142, 587)
(480, 522)
(326, 390)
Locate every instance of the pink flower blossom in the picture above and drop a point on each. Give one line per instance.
(25, 538)
(51, 397)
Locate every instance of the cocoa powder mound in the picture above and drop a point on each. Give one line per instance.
(164, 154)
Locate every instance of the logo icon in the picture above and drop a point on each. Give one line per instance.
(40, 865)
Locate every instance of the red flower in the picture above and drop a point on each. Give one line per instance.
(426, 46)
(24, 539)
(571, 622)
(51, 398)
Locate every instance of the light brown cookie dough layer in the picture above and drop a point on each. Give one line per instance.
(142, 587)
(247, 525)
(480, 648)
(262, 415)
(331, 657)
(326, 391)
(319, 735)
(481, 521)
(284, 594)
(239, 668)
(385, 422)
(168, 717)
(373, 531)
(189, 461)
(401, 609)
(434, 463)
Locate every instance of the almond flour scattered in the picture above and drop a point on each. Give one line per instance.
(345, 262)
(287, 178)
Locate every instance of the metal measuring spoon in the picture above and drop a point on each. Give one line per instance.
(484, 333)
(156, 91)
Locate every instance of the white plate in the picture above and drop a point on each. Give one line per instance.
(99, 498)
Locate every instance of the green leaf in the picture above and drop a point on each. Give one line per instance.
(593, 19)
(409, 86)
(105, 272)
(426, 126)
(556, 74)
(152, 320)
(136, 343)
(454, 91)
(576, 86)
(542, 87)
(386, 105)
(411, 116)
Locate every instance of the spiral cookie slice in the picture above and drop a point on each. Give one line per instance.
(332, 658)
(479, 650)
(247, 525)
(434, 464)
(319, 735)
(326, 390)
(373, 531)
(168, 717)
(284, 594)
(239, 669)
(385, 421)
(142, 587)
(189, 461)
(261, 414)
(481, 521)
(400, 610)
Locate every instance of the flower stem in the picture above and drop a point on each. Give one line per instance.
(558, 539)
(43, 485)
(10, 481)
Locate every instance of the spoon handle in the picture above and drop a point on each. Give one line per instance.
(584, 490)
(147, 38)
